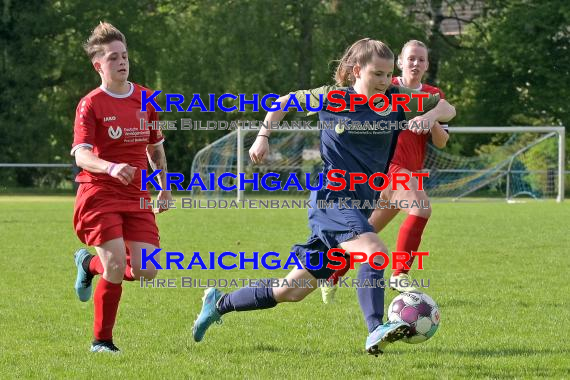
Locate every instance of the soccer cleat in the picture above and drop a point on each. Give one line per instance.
(83, 279)
(402, 283)
(329, 293)
(105, 347)
(208, 315)
(385, 334)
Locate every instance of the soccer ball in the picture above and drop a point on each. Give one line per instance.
(417, 309)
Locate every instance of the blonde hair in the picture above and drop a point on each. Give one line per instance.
(410, 43)
(103, 34)
(360, 53)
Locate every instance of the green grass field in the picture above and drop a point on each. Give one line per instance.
(498, 272)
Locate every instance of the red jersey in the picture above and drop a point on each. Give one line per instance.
(411, 148)
(110, 125)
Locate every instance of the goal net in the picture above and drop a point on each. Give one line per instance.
(519, 162)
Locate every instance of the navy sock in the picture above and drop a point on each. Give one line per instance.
(244, 299)
(371, 299)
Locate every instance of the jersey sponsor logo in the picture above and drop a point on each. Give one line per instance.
(115, 133)
(339, 128)
(109, 118)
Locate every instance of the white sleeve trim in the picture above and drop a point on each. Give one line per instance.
(158, 143)
(82, 145)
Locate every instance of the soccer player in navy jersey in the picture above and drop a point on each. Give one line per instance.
(409, 157)
(366, 68)
(110, 147)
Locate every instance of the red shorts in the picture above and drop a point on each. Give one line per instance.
(101, 214)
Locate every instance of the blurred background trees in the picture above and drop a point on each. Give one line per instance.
(499, 62)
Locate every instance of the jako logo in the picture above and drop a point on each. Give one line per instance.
(109, 118)
(115, 133)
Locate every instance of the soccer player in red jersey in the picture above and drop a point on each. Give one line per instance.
(111, 148)
(408, 157)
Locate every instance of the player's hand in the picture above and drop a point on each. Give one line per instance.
(162, 199)
(421, 125)
(259, 150)
(123, 172)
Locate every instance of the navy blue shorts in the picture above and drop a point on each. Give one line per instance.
(329, 228)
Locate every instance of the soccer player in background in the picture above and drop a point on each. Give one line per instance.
(408, 157)
(366, 68)
(111, 148)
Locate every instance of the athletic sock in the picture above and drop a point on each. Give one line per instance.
(95, 265)
(339, 273)
(371, 298)
(106, 304)
(409, 239)
(244, 299)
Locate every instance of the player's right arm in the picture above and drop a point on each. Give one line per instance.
(83, 142)
(86, 159)
(260, 147)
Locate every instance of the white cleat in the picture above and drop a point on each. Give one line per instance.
(328, 293)
(402, 283)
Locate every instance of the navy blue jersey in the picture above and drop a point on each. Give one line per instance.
(362, 141)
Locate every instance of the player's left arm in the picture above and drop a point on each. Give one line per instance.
(157, 160)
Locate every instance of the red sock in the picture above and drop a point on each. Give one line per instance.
(339, 273)
(106, 303)
(409, 239)
(96, 267)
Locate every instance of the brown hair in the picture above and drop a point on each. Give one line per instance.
(360, 53)
(410, 43)
(103, 34)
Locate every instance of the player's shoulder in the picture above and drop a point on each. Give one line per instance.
(91, 96)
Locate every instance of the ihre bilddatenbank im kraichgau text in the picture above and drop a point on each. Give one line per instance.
(336, 180)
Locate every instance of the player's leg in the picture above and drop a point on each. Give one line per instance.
(89, 266)
(94, 228)
(263, 296)
(411, 230)
(379, 219)
(150, 270)
(141, 232)
(107, 294)
(371, 298)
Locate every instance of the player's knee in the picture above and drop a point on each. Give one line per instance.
(116, 265)
(295, 297)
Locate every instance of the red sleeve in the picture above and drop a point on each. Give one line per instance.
(84, 127)
(156, 136)
(441, 94)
